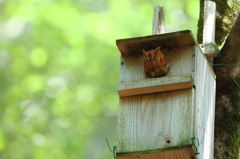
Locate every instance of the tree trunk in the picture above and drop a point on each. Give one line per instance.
(227, 118)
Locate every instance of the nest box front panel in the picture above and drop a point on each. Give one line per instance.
(131, 68)
(159, 120)
(156, 120)
(181, 61)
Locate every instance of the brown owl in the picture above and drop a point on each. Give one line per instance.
(155, 64)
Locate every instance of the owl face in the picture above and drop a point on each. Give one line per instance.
(155, 64)
(153, 56)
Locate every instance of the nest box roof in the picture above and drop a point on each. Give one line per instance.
(134, 46)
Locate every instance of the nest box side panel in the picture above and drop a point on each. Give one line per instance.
(155, 121)
(181, 61)
(205, 106)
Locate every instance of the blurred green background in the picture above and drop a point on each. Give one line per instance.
(59, 69)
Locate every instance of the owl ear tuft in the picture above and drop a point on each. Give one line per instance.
(144, 52)
(158, 48)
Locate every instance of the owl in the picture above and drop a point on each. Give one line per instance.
(155, 63)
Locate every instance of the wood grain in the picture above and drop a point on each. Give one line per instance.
(174, 154)
(181, 62)
(158, 20)
(165, 120)
(134, 46)
(209, 21)
(156, 120)
(209, 49)
(154, 85)
(204, 106)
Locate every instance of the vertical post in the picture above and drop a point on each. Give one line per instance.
(209, 29)
(209, 21)
(158, 20)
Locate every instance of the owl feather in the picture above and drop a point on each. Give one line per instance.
(155, 63)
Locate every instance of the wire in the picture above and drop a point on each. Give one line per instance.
(223, 63)
(114, 149)
(195, 143)
(229, 73)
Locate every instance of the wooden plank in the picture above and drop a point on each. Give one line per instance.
(122, 154)
(154, 85)
(205, 106)
(209, 21)
(155, 121)
(158, 20)
(186, 153)
(209, 49)
(134, 46)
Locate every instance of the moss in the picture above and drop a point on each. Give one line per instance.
(226, 14)
(227, 125)
(200, 23)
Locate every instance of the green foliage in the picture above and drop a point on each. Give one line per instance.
(59, 69)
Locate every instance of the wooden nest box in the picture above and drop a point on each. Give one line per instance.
(169, 117)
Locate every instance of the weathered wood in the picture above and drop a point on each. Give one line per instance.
(181, 62)
(209, 29)
(209, 21)
(158, 20)
(149, 121)
(154, 85)
(209, 49)
(165, 120)
(205, 105)
(186, 153)
(154, 121)
(134, 46)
